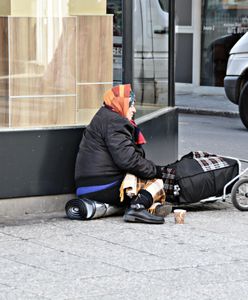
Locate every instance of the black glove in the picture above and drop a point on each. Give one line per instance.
(160, 171)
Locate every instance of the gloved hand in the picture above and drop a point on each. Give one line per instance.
(167, 174)
(160, 171)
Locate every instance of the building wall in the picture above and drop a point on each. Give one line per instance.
(41, 162)
(53, 72)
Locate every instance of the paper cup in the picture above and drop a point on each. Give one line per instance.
(179, 215)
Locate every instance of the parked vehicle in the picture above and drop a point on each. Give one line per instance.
(236, 80)
(217, 58)
(150, 51)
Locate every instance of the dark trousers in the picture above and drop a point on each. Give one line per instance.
(110, 196)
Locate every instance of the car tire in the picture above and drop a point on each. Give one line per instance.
(243, 105)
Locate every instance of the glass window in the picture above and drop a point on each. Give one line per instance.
(223, 23)
(150, 54)
(184, 57)
(115, 7)
(164, 5)
(183, 12)
(55, 62)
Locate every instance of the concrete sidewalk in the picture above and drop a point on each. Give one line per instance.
(48, 256)
(206, 104)
(56, 258)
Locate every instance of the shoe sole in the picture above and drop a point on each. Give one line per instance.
(139, 220)
(163, 210)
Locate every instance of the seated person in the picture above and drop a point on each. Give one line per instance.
(111, 147)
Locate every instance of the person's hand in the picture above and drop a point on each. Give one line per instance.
(160, 171)
(167, 174)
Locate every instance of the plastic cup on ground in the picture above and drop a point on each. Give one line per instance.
(179, 215)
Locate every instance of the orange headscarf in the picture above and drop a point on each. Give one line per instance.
(118, 98)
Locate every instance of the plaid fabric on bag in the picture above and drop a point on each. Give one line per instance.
(209, 161)
(169, 180)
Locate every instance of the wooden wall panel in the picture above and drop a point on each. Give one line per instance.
(54, 57)
(4, 112)
(94, 49)
(89, 100)
(43, 111)
(4, 72)
(91, 96)
(5, 7)
(4, 60)
(42, 56)
(85, 115)
(93, 7)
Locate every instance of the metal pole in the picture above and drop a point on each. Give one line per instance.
(127, 44)
(171, 75)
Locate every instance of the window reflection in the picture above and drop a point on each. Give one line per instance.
(150, 53)
(115, 7)
(54, 64)
(223, 23)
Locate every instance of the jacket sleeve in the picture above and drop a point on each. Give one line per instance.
(122, 148)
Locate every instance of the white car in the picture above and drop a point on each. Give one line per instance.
(236, 80)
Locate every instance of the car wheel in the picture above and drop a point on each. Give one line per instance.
(243, 105)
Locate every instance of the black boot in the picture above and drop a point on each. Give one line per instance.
(138, 214)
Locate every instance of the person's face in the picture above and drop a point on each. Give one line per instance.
(130, 113)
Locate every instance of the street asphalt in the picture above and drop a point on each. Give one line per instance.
(51, 257)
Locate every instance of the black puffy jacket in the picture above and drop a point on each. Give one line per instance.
(108, 151)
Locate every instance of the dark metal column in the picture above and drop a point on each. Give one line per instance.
(127, 72)
(171, 87)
